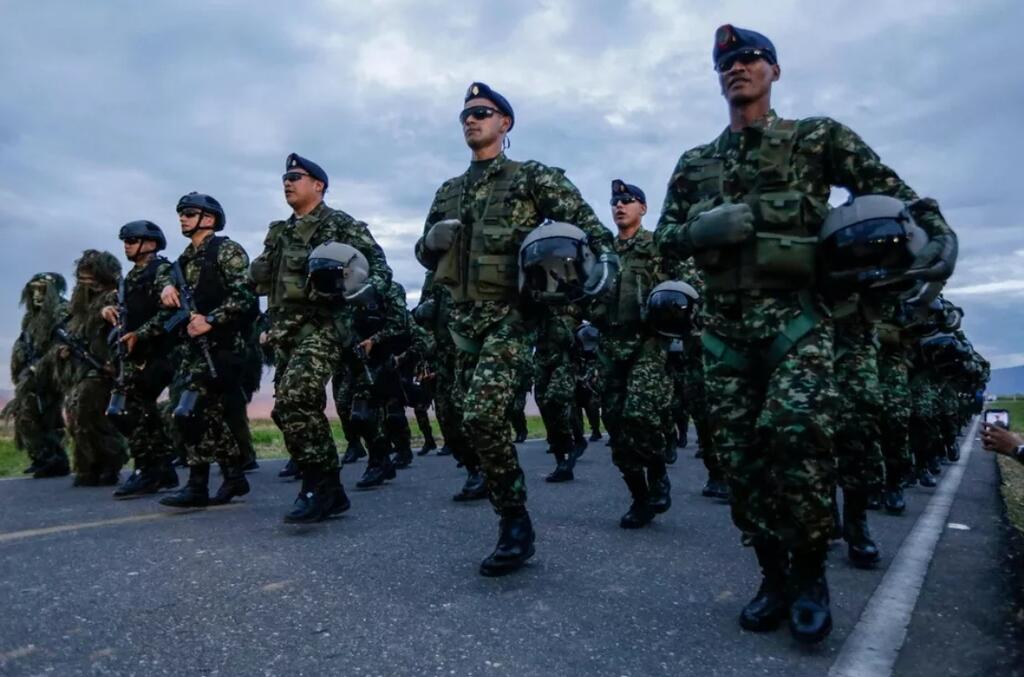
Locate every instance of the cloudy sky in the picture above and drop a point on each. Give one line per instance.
(113, 109)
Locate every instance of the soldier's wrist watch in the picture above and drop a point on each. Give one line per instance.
(210, 320)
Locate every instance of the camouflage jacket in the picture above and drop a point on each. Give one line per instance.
(537, 193)
(233, 266)
(323, 224)
(825, 154)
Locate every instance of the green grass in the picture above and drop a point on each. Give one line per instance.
(265, 435)
(1013, 472)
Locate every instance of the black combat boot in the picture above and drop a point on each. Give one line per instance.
(195, 493)
(640, 512)
(934, 466)
(659, 489)
(167, 476)
(314, 501)
(474, 489)
(837, 521)
(682, 437)
(250, 464)
(340, 502)
(444, 451)
(403, 457)
(140, 482)
(109, 477)
(769, 606)
(290, 469)
(810, 619)
(595, 435)
(428, 446)
(894, 503)
(699, 453)
(32, 467)
(519, 426)
(715, 487)
(376, 472)
(563, 468)
(355, 451)
(925, 478)
(861, 550)
(515, 544)
(953, 452)
(874, 500)
(57, 466)
(234, 484)
(578, 449)
(671, 451)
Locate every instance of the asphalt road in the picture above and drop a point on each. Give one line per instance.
(89, 585)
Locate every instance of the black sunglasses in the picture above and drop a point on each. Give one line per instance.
(477, 113)
(292, 177)
(132, 240)
(746, 58)
(189, 213)
(624, 199)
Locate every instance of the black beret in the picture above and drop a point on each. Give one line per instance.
(316, 171)
(620, 187)
(731, 40)
(479, 90)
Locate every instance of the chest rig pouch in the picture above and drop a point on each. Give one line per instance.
(481, 264)
(781, 254)
(291, 251)
(636, 280)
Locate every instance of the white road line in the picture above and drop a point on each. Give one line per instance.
(874, 644)
(63, 528)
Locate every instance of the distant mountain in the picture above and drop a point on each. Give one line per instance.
(1008, 381)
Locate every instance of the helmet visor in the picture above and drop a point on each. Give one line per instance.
(552, 268)
(668, 313)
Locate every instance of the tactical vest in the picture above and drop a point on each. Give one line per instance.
(636, 279)
(781, 255)
(482, 263)
(210, 290)
(140, 301)
(290, 266)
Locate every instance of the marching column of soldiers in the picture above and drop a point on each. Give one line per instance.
(809, 344)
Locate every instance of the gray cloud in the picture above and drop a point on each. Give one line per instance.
(113, 110)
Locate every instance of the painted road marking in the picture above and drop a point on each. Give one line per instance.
(874, 644)
(78, 526)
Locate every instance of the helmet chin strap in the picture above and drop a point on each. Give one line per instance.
(190, 231)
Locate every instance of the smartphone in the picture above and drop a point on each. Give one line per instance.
(999, 417)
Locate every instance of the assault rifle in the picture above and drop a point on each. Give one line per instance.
(78, 347)
(188, 308)
(118, 398)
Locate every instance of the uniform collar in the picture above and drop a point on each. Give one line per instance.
(769, 120)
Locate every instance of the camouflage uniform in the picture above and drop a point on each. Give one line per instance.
(38, 400)
(555, 378)
(771, 407)
(894, 420)
(634, 378)
(99, 449)
(217, 272)
(309, 336)
(485, 321)
(148, 368)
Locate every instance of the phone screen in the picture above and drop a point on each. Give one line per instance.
(999, 417)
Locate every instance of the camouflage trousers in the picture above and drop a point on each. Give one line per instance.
(894, 421)
(149, 443)
(98, 446)
(555, 392)
(858, 412)
(207, 436)
(774, 426)
(678, 420)
(924, 419)
(485, 384)
(444, 400)
(695, 396)
(303, 368)
(949, 415)
(635, 406)
(39, 424)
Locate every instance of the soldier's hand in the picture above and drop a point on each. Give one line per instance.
(366, 346)
(264, 338)
(129, 340)
(110, 314)
(63, 352)
(169, 297)
(441, 235)
(724, 225)
(1000, 440)
(198, 325)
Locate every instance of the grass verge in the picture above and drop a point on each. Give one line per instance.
(265, 435)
